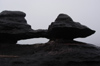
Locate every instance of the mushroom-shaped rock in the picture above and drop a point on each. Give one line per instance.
(14, 27)
(65, 28)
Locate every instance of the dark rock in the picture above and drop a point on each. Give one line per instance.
(71, 53)
(61, 50)
(65, 28)
(14, 27)
(12, 14)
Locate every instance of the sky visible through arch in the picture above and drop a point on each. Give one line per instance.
(40, 14)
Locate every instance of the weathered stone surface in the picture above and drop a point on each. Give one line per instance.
(70, 53)
(65, 28)
(14, 27)
(61, 51)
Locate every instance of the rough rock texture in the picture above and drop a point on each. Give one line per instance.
(70, 53)
(14, 27)
(65, 28)
(61, 51)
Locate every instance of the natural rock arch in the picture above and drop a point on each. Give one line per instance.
(14, 27)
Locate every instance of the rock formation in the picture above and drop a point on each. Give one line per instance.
(65, 28)
(61, 50)
(14, 27)
(50, 54)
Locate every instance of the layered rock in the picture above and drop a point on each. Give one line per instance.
(65, 28)
(62, 51)
(14, 27)
(50, 54)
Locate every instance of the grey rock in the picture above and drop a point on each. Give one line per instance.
(65, 28)
(14, 27)
(71, 53)
(12, 13)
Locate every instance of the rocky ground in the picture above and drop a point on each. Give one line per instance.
(69, 53)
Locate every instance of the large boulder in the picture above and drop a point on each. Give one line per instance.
(65, 28)
(14, 27)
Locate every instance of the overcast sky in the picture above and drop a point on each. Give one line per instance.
(40, 13)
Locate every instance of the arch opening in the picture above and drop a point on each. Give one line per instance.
(33, 41)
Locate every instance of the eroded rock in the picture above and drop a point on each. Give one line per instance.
(65, 28)
(14, 27)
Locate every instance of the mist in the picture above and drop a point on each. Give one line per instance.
(40, 14)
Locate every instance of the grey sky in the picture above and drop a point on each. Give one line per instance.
(40, 13)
